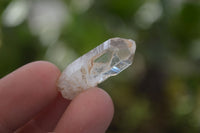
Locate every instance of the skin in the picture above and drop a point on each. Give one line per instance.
(30, 103)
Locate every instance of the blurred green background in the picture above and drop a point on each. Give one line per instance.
(159, 93)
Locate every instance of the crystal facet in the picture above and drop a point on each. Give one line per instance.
(107, 59)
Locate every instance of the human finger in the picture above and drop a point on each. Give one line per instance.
(90, 112)
(47, 119)
(24, 92)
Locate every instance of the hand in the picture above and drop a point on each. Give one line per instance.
(30, 103)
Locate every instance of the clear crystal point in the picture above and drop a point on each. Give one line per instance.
(104, 61)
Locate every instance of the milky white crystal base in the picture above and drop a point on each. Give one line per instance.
(107, 59)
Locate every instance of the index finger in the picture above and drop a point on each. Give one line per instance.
(25, 92)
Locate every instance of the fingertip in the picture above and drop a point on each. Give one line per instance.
(44, 69)
(102, 99)
(45, 65)
(104, 106)
(47, 75)
(89, 112)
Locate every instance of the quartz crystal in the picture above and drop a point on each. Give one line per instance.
(107, 59)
